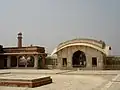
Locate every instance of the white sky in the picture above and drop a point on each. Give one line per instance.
(50, 22)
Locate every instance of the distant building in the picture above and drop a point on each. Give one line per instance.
(82, 54)
(22, 57)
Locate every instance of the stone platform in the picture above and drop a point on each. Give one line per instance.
(24, 80)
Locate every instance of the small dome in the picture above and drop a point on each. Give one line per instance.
(19, 33)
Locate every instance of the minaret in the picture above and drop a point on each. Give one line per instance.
(19, 40)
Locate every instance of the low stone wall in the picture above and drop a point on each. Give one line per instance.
(25, 83)
(111, 67)
(112, 63)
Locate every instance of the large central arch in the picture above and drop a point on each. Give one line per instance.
(79, 59)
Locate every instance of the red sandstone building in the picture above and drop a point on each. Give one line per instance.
(22, 57)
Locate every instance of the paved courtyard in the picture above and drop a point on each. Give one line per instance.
(68, 80)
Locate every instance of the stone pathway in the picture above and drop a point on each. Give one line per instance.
(114, 84)
(67, 82)
(71, 80)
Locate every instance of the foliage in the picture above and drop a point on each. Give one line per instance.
(48, 61)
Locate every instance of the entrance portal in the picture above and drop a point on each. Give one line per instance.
(79, 59)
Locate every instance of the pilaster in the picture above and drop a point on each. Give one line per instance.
(8, 61)
(36, 61)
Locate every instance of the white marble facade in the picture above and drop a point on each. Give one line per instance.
(67, 51)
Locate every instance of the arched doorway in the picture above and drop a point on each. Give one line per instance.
(13, 61)
(30, 61)
(21, 61)
(26, 61)
(79, 59)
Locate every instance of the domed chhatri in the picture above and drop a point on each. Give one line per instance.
(19, 33)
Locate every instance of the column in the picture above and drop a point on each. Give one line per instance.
(8, 61)
(58, 60)
(26, 61)
(36, 61)
(88, 62)
(17, 61)
(43, 61)
(69, 56)
(100, 63)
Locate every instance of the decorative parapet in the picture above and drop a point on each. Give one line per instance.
(24, 49)
(99, 44)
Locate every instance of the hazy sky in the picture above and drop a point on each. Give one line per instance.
(50, 22)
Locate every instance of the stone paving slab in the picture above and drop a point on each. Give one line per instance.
(115, 83)
(115, 86)
(111, 83)
(4, 72)
(57, 71)
(21, 76)
(13, 88)
(23, 80)
(69, 82)
(34, 71)
(117, 79)
(75, 82)
(93, 72)
(69, 79)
